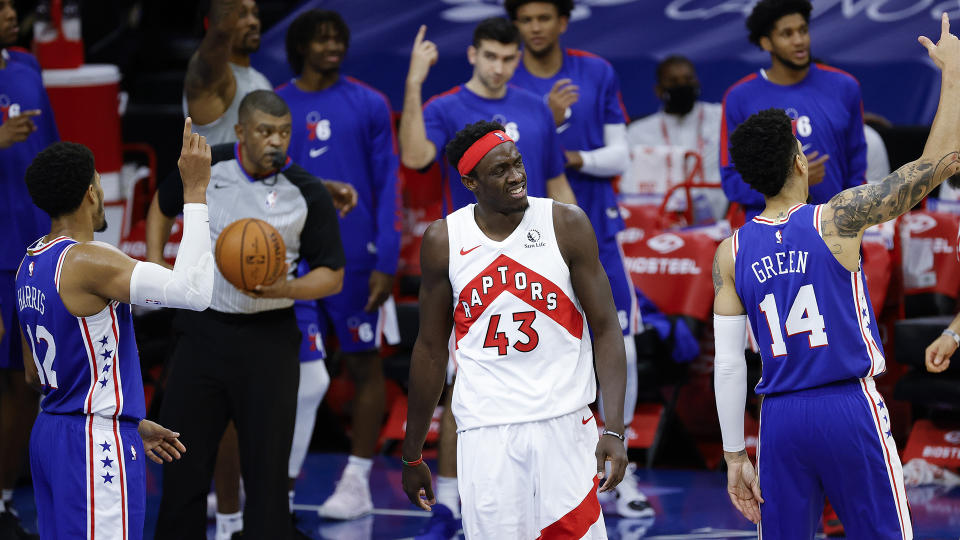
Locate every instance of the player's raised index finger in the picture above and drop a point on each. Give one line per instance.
(420, 34)
(944, 25)
(187, 131)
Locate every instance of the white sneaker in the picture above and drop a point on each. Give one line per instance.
(350, 500)
(630, 502)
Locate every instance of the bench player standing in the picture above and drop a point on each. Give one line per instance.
(583, 93)
(26, 127)
(343, 129)
(795, 272)
(88, 443)
(518, 280)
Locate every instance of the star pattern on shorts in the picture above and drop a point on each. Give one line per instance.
(107, 478)
(106, 354)
(107, 462)
(889, 433)
(104, 341)
(105, 446)
(880, 404)
(106, 368)
(103, 383)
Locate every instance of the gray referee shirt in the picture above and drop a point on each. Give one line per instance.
(295, 202)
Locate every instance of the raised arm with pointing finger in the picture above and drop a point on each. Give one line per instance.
(416, 151)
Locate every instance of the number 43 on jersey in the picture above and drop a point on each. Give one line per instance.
(498, 340)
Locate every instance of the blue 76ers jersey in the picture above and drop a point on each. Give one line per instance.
(811, 317)
(598, 104)
(524, 118)
(87, 365)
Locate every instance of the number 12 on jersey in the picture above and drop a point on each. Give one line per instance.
(48, 376)
(804, 316)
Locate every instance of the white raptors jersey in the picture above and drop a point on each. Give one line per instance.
(522, 345)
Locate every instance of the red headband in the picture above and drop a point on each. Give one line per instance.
(477, 150)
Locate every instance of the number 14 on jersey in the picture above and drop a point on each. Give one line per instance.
(804, 316)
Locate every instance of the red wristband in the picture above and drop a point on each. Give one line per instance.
(418, 461)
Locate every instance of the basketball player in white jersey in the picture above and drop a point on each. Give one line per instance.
(519, 281)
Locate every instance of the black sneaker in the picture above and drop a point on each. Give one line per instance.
(11, 529)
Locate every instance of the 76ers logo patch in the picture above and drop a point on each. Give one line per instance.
(8, 109)
(317, 128)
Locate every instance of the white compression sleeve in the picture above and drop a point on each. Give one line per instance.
(730, 378)
(190, 284)
(610, 159)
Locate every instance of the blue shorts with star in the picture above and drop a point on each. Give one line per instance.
(88, 477)
(832, 440)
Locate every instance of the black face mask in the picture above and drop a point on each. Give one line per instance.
(680, 99)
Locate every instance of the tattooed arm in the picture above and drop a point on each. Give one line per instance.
(850, 212)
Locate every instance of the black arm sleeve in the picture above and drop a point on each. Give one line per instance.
(170, 190)
(320, 243)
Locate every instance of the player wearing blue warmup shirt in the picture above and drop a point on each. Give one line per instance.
(794, 273)
(343, 129)
(88, 444)
(823, 103)
(425, 131)
(583, 93)
(26, 128)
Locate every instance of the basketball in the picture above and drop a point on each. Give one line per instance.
(250, 252)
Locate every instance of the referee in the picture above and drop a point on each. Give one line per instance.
(239, 359)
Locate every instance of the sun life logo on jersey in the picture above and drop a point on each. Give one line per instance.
(533, 236)
(271, 200)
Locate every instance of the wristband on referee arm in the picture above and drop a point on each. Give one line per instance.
(614, 433)
(952, 334)
(413, 463)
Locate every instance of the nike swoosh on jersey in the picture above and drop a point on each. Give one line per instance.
(462, 252)
(317, 152)
(585, 420)
(220, 186)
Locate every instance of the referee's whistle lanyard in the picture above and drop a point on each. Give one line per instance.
(700, 141)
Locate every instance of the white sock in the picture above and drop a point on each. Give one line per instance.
(359, 466)
(290, 498)
(227, 524)
(448, 494)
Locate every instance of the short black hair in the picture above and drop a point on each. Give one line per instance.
(262, 100)
(465, 138)
(767, 12)
(59, 177)
(496, 29)
(564, 7)
(672, 60)
(763, 148)
(306, 27)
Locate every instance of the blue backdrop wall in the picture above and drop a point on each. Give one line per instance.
(875, 40)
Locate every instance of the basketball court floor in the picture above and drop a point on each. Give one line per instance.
(689, 504)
